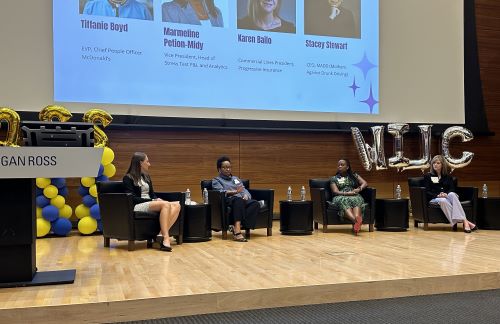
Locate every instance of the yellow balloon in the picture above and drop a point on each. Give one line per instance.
(93, 191)
(42, 227)
(109, 170)
(88, 181)
(50, 191)
(58, 201)
(95, 116)
(38, 212)
(42, 182)
(107, 156)
(82, 211)
(87, 225)
(66, 211)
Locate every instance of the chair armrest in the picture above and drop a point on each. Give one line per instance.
(117, 214)
(262, 194)
(218, 209)
(268, 196)
(369, 194)
(318, 197)
(469, 193)
(418, 199)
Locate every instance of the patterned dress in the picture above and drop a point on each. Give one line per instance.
(346, 184)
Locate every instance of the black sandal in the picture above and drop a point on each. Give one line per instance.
(241, 238)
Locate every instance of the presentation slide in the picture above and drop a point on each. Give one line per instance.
(286, 55)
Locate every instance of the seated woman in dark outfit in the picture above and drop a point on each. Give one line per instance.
(243, 208)
(264, 15)
(346, 185)
(138, 183)
(439, 187)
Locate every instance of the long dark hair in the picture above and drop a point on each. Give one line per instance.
(350, 174)
(134, 170)
(212, 9)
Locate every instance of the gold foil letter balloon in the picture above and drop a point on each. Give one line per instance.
(98, 116)
(13, 120)
(58, 112)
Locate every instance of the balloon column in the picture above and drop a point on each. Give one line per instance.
(52, 212)
(88, 211)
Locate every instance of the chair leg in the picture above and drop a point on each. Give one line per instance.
(224, 235)
(106, 241)
(455, 228)
(269, 231)
(426, 226)
(149, 244)
(370, 228)
(325, 228)
(315, 225)
(131, 245)
(247, 234)
(179, 239)
(415, 224)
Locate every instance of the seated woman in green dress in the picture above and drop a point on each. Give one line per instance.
(346, 186)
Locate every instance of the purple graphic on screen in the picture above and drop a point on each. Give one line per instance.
(354, 86)
(370, 101)
(365, 65)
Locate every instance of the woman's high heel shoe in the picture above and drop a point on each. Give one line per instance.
(165, 248)
(238, 237)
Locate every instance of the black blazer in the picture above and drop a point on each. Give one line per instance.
(445, 184)
(136, 190)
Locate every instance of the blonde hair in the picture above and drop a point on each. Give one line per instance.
(444, 168)
(255, 11)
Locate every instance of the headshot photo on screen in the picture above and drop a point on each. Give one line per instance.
(134, 9)
(339, 18)
(267, 15)
(195, 12)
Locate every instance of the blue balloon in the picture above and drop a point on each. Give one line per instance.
(42, 201)
(94, 212)
(50, 213)
(83, 191)
(64, 192)
(38, 191)
(99, 225)
(101, 178)
(58, 182)
(101, 170)
(89, 201)
(61, 226)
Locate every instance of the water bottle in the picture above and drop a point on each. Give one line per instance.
(188, 197)
(303, 193)
(485, 191)
(398, 192)
(289, 194)
(205, 196)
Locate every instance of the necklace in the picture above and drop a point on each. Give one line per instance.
(117, 2)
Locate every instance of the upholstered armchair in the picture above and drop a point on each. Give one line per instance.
(119, 221)
(424, 212)
(221, 212)
(325, 213)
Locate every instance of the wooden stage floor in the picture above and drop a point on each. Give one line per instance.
(217, 276)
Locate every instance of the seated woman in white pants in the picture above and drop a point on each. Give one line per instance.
(440, 190)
